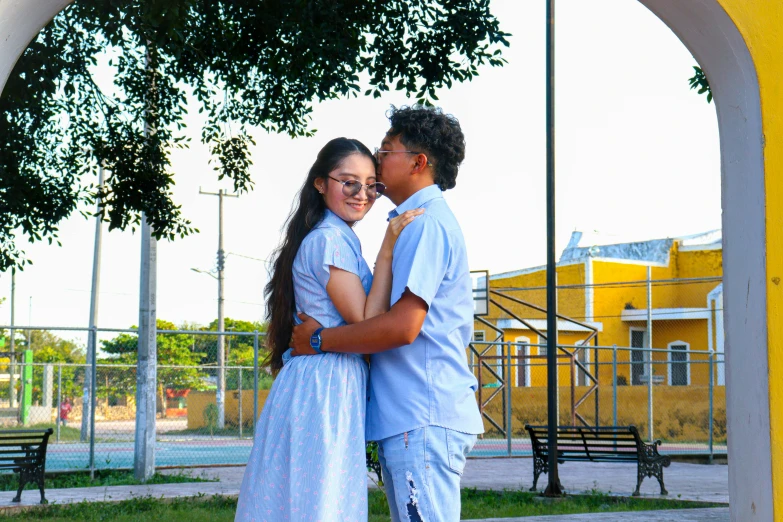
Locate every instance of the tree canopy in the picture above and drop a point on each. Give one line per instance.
(248, 64)
(177, 359)
(47, 347)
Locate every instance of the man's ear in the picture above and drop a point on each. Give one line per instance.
(421, 163)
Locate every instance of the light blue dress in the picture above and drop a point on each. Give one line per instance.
(308, 456)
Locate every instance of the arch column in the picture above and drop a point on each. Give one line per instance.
(738, 43)
(20, 22)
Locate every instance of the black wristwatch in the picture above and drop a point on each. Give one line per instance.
(315, 341)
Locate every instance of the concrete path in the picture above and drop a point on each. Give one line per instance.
(707, 483)
(675, 515)
(684, 481)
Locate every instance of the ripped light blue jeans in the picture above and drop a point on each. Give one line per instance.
(422, 471)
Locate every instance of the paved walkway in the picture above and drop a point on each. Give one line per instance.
(684, 481)
(675, 515)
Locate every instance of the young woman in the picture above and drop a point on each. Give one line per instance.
(308, 457)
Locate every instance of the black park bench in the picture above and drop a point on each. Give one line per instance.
(599, 444)
(24, 451)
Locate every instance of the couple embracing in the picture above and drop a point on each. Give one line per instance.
(412, 315)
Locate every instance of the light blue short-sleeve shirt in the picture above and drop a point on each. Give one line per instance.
(331, 243)
(428, 383)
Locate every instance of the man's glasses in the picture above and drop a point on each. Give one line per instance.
(378, 154)
(351, 187)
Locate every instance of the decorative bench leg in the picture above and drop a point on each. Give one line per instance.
(539, 466)
(22, 483)
(639, 479)
(41, 489)
(39, 478)
(649, 469)
(659, 476)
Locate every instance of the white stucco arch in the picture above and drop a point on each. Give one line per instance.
(716, 43)
(714, 40)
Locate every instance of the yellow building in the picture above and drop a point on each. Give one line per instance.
(602, 291)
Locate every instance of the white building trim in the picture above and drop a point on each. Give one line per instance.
(589, 290)
(697, 248)
(540, 325)
(667, 314)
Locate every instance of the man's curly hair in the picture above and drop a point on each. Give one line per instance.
(429, 131)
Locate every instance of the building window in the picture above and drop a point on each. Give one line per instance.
(637, 356)
(679, 369)
(522, 349)
(478, 335)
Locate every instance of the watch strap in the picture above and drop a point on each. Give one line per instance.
(315, 341)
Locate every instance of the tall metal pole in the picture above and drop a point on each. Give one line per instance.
(553, 487)
(509, 396)
(649, 356)
(712, 392)
(239, 389)
(12, 378)
(91, 339)
(221, 351)
(93, 387)
(59, 398)
(147, 360)
(221, 326)
(255, 379)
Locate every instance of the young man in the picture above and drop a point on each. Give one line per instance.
(422, 408)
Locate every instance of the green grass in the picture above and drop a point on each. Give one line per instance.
(228, 431)
(67, 433)
(9, 482)
(475, 504)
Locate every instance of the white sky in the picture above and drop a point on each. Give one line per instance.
(637, 155)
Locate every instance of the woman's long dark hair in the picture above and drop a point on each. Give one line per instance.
(308, 212)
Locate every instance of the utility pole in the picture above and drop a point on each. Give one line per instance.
(146, 370)
(221, 352)
(91, 337)
(12, 379)
(147, 360)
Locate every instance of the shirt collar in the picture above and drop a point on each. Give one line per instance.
(417, 200)
(332, 220)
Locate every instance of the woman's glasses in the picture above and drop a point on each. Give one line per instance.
(351, 187)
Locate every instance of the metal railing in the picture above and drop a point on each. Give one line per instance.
(675, 405)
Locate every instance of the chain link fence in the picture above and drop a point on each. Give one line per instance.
(53, 386)
(189, 427)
